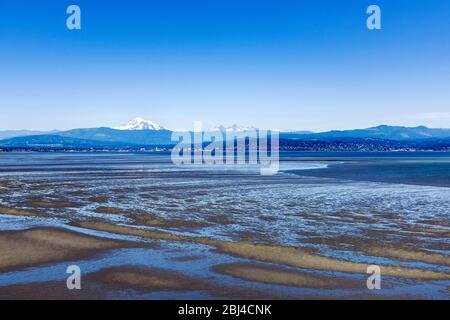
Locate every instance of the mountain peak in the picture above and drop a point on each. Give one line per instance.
(140, 124)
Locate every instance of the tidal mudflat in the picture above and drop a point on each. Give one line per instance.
(140, 228)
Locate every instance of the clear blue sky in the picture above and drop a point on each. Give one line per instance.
(307, 65)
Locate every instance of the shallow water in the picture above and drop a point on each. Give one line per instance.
(427, 169)
(313, 202)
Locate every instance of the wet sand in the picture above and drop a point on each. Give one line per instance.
(147, 279)
(46, 204)
(284, 255)
(266, 274)
(18, 211)
(134, 282)
(400, 250)
(51, 290)
(38, 246)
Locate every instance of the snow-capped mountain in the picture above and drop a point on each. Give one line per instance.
(140, 124)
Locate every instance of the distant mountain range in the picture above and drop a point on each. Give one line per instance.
(381, 132)
(139, 133)
(59, 142)
(20, 133)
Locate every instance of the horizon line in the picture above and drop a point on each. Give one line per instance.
(230, 126)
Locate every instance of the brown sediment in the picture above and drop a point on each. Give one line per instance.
(147, 219)
(221, 219)
(123, 190)
(51, 204)
(92, 288)
(353, 217)
(111, 210)
(18, 212)
(103, 226)
(77, 193)
(388, 215)
(98, 199)
(149, 196)
(401, 251)
(300, 258)
(272, 253)
(4, 183)
(25, 248)
(247, 236)
(186, 258)
(417, 228)
(147, 279)
(272, 275)
(397, 252)
(5, 186)
(51, 290)
(268, 218)
(153, 220)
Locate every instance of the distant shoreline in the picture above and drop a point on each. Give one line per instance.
(32, 150)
